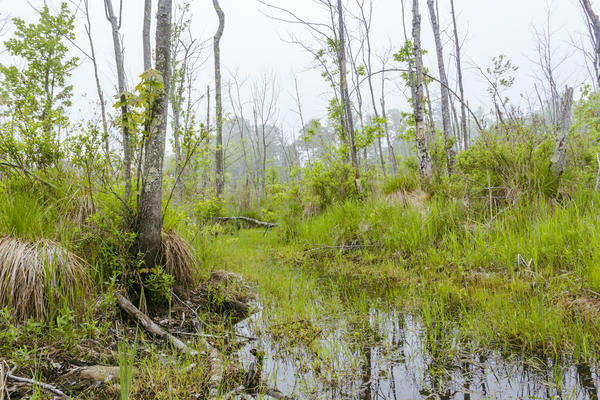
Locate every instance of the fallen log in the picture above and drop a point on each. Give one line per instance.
(34, 383)
(252, 221)
(151, 326)
(155, 329)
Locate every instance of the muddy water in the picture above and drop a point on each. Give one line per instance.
(396, 362)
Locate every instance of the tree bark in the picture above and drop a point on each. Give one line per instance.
(220, 168)
(423, 157)
(463, 111)
(594, 28)
(146, 35)
(558, 162)
(346, 107)
(446, 118)
(110, 15)
(150, 216)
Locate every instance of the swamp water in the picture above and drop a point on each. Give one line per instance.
(395, 362)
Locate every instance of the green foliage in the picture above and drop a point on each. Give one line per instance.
(405, 181)
(512, 160)
(36, 98)
(584, 145)
(158, 283)
(209, 209)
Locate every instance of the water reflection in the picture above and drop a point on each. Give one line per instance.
(401, 364)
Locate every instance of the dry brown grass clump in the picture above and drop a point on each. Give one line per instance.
(38, 276)
(416, 198)
(178, 259)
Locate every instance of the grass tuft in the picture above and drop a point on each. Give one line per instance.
(39, 277)
(178, 259)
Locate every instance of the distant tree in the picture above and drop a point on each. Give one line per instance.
(219, 161)
(36, 98)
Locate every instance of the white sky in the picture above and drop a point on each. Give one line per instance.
(253, 44)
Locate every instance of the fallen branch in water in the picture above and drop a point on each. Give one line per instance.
(252, 221)
(155, 329)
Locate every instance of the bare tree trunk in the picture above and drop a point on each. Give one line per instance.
(346, 107)
(220, 168)
(115, 24)
(366, 21)
(393, 161)
(150, 214)
(446, 118)
(105, 135)
(463, 111)
(423, 156)
(558, 162)
(594, 28)
(146, 35)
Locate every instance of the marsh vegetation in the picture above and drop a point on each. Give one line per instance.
(428, 252)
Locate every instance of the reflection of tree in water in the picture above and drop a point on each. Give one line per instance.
(366, 370)
(586, 380)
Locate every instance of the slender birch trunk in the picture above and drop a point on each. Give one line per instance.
(345, 95)
(115, 25)
(463, 111)
(146, 35)
(105, 135)
(446, 117)
(424, 159)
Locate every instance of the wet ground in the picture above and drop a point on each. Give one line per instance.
(396, 361)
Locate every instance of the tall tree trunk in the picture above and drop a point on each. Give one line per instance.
(446, 117)
(146, 35)
(346, 107)
(112, 18)
(558, 162)
(220, 167)
(463, 111)
(150, 215)
(105, 135)
(423, 157)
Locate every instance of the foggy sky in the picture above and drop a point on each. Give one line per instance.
(253, 45)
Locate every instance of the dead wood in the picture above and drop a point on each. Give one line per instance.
(252, 221)
(341, 248)
(35, 383)
(153, 328)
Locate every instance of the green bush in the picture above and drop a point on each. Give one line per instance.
(513, 160)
